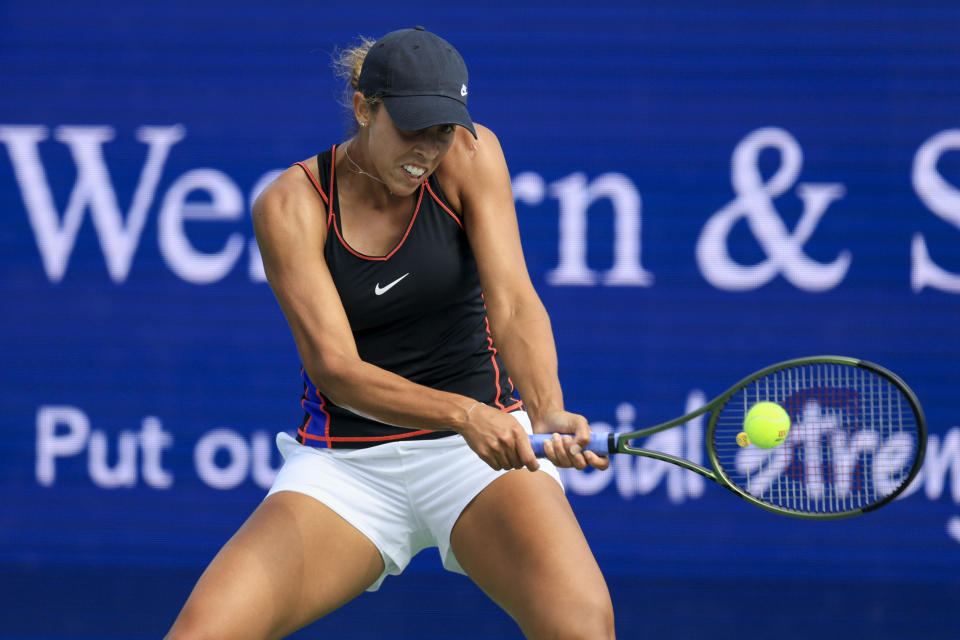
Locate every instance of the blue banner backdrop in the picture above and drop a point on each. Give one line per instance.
(701, 192)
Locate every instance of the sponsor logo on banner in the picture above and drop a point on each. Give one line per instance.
(754, 203)
(64, 432)
(120, 233)
(224, 458)
(208, 194)
(943, 199)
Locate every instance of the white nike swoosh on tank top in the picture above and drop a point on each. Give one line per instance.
(382, 290)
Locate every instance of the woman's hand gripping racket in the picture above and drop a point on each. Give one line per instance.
(856, 438)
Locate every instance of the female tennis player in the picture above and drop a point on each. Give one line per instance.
(396, 259)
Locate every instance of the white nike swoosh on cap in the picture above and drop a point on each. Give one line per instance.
(382, 290)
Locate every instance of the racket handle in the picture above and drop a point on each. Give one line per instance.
(601, 442)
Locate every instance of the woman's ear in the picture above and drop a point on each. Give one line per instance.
(361, 109)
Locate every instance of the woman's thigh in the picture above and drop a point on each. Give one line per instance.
(293, 561)
(520, 542)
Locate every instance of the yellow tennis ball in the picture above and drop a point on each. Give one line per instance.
(766, 424)
(743, 439)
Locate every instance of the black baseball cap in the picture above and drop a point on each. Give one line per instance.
(421, 78)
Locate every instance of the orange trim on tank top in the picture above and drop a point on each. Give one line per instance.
(302, 430)
(336, 227)
(493, 361)
(443, 205)
(316, 185)
(333, 164)
(395, 436)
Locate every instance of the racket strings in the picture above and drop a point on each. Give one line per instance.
(852, 441)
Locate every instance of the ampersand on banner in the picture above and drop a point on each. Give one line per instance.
(754, 202)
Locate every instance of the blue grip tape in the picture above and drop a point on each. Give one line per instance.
(601, 443)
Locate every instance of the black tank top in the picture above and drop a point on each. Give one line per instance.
(417, 311)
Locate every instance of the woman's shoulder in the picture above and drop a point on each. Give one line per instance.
(471, 163)
(468, 152)
(293, 193)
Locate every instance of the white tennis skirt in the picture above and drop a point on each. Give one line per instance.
(403, 496)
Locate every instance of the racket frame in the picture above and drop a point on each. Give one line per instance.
(620, 442)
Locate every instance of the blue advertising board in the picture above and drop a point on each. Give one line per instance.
(701, 192)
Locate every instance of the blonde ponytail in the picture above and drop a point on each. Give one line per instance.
(348, 62)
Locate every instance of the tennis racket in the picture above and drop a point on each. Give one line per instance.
(857, 438)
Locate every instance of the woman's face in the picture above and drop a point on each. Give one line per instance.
(404, 159)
